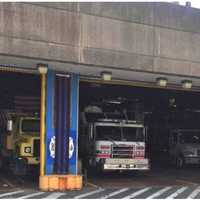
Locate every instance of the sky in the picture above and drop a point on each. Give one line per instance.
(194, 3)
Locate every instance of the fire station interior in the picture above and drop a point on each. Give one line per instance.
(168, 115)
(19, 125)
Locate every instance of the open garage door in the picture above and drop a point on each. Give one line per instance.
(19, 126)
(170, 118)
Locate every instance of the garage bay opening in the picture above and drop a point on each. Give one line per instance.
(145, 133)
(19, 124)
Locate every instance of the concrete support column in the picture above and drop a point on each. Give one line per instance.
(50, 125)
(61, 122)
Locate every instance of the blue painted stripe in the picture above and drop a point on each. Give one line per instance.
(73, 161)
(65, 124)
(50, 130)
(59, 125)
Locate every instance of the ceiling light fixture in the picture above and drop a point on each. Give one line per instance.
(161, 81)
(187, 84)
(42, 68)
(106, 76)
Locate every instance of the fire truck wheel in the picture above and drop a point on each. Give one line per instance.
(179, 162)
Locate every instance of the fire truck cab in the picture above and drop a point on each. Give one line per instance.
(108, 143)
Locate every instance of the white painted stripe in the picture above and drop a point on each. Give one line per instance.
(31, 195)
(89, 193)
(54, 195)
(194, 193)
(11, 193)
(159, 192)
(137, 193)
(114, 193)
(175, 194)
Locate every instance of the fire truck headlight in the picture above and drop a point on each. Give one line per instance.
(27, 149)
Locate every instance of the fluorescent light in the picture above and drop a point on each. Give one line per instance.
(42, 68)
(106, 76)
(161, 81)
(187, 84)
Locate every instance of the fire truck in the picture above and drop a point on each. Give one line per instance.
(112, 141)
(20, 141)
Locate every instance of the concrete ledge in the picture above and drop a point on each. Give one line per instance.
(60, 182)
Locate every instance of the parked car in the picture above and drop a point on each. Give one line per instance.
(184, 147)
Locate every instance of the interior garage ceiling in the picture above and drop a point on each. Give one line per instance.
(95, 71)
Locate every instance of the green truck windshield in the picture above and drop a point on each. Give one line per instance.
(31, 125)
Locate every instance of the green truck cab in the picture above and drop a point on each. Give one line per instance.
(20, 143)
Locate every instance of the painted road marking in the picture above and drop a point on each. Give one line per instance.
(114, 193)
(186, 182)
(97, 193)
(137, 193)
(11, 193)
(30, 195)
(159, 192)
(194, 193)
(54, 195)
(89, 193)
(175, 194)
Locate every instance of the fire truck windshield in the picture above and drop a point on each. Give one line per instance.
(132, 134)
(108, 133)
(119, 133)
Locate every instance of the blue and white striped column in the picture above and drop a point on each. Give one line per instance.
(73, 135)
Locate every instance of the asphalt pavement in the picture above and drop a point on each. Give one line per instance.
(159, 183)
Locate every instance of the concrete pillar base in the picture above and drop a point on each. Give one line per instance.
(60, 182)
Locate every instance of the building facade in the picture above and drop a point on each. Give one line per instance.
(135, 42)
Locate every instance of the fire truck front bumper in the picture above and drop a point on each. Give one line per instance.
(126, 164)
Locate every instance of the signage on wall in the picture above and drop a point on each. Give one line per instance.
(52, 147)
(71, 147)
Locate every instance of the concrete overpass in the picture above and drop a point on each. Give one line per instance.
(87, 38)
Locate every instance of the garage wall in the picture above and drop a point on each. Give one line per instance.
(153, 37)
